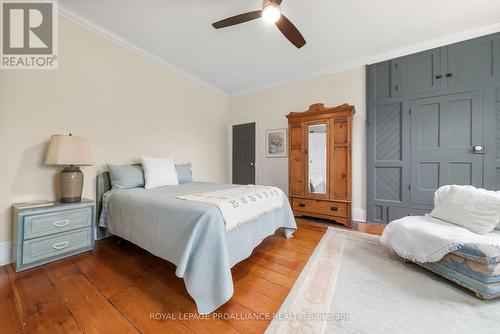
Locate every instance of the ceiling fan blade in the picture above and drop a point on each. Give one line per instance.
(231, 21)
(278, 2)
(290, 32)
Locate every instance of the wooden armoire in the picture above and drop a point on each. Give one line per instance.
(319, 162)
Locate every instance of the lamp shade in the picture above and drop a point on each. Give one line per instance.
(68, 150)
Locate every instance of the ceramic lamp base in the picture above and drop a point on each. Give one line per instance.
(71, 184)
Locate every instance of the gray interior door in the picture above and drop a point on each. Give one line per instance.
(244, 153)
(444, 131)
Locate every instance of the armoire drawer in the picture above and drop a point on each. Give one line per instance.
(336, 209)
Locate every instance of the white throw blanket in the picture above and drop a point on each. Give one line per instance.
(427, 239)
(242, 204)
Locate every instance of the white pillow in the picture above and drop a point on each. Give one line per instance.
(444, 190)
(469, 207)
(159, 172)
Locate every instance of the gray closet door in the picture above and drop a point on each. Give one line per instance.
(497, 151)
(425, 113)
(444, 130)
(474, 62)
(416, 74)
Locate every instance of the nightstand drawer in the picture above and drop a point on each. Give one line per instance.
(44, 224)
(56, 245)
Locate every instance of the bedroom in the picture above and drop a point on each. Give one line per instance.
(155, 79)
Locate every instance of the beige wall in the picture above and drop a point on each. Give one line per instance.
(126, 105)
(268, 109)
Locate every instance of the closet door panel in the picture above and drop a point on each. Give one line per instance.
(417, 74)
(383, 77)
(444, 130)
(394, 213)
(385, 172)
(497, 151)
(474, 62)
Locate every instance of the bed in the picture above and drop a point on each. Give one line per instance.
(189, 234)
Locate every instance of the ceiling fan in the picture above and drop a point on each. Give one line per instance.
(271, 13)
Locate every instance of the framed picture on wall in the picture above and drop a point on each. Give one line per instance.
(276, 143)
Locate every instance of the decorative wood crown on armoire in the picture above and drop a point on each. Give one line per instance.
(319, 162)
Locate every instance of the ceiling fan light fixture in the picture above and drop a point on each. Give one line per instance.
(271, 13)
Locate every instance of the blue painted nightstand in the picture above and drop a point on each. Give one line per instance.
(45, 234)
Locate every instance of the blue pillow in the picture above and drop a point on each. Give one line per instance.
(184, 173)
(126, 177)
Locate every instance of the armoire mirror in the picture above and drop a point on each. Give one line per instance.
(317, 144)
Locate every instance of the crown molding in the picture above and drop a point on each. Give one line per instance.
(450, 39)
(104, 32)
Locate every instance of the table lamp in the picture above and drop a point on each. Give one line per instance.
(71, 152)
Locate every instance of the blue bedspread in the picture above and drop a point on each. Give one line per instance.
(191, 235)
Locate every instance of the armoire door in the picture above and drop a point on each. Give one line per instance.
(296, 160)
(444, 132)
(317, 164)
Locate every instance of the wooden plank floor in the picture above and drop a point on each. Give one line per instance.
(115, 288)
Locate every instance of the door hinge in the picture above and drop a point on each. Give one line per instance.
(409, 187)
(409, 111)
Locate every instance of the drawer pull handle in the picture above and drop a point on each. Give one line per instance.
(61, 245)
(302, 205)
(334, 208)
(61, 223)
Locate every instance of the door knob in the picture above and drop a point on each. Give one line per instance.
(478, 149)
(252, 164)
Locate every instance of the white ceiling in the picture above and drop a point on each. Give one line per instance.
(253, 55)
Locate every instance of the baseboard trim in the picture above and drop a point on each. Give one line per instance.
(358, 215)
(5, 253)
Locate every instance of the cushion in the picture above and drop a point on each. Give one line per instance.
(480, 253)
(444, 190)
(472, 208)
(126, 177)
(184, 173)
(159, 172)
(458, 268)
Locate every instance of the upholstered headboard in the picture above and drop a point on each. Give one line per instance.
(103, 184)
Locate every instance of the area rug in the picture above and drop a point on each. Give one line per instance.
(353, 284)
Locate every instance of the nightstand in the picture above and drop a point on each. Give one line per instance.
(45, 234)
